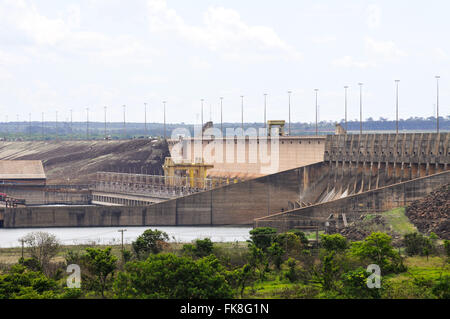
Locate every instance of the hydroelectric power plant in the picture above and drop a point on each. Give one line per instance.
(314, 179)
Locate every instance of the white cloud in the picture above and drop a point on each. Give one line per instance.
(440, 53)
(62, 34)
(324, 39)
(386, 49)
(9, 59)
(223, 31)
(349, 62)
(374, 16)
(199, 64)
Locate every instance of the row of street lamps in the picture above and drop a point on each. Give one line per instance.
(265, 112)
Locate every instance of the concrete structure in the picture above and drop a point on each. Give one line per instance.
(373, 201)
(22, 173)
(250, 156)
(385, 167)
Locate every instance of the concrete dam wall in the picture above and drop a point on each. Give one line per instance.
(233, 204)
(373, 201)
(354, 165)
(249, 156)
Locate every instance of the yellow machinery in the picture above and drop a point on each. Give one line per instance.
(277, 123)
(195, 171)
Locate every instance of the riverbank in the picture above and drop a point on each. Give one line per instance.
(9, 238)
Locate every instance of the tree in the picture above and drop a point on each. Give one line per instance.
(242, 276)
(151, 241)
(291, 274)
(378, 249)
(42, 247)
(258, 261)
(301, 235)
(441, 289)
(262, 237)
(276, 252)
(101, 264)
(290, 242)
(327, 272)
(200, 248)
(355, 285)
(334, 242)
(418, 244)
(203, 247)
(447, 247)
(20, 282)
(170, 276)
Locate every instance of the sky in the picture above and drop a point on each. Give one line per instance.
(57, 56)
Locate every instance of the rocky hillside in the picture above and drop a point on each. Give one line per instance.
(78, 161)
(432, 213)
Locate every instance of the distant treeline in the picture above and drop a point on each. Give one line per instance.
(96, 130)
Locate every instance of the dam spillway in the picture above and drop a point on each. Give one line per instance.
(388, 170)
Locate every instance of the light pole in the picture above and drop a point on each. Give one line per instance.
(124, 122)
(242, 114)
(437, 103)
(105, 121)
(43, 133)
(346, 125)
(265, 112)
(87, 123)
(396, 105)
(317, 131)
(360, 107)
(165, 136)
(221, 115)
(71, 128)
(121, 231)
(289, 95)
(145, 118)
(201, 115)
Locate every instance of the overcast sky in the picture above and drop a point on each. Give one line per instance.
(62, 55)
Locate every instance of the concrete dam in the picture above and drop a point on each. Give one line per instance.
(358, 174)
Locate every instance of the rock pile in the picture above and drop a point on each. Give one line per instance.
(432, 213)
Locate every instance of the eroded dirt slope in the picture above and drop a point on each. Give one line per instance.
(78, 161)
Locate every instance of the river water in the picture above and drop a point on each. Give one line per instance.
(111, 235)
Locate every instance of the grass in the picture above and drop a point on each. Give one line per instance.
(10, 256)
(398, 221)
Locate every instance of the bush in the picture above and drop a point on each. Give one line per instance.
(291, 273)
(150, 242)
(417, 244)
(31, 263)
(335, 242)
(200, 248)
(290, 242)
(42, 247)
(377, 248)
(447, 247)
(301, 235)
(22, 283)
(355, 285)
(101, 264)
(169, 276)
(262, 237)
(442, 288)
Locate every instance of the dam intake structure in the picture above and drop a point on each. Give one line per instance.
(359, 174)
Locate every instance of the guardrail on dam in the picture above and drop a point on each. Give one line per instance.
(353, 164)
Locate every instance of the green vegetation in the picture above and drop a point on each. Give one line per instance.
(269, 265)
(398, 221)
